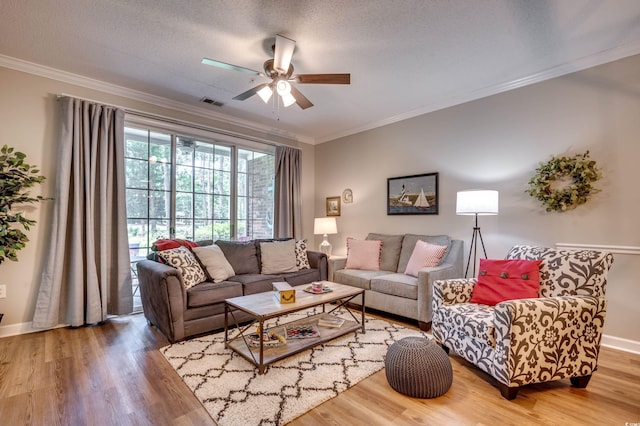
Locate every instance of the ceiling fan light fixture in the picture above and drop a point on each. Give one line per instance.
(265, 93)
(288, 100)
(283, 87)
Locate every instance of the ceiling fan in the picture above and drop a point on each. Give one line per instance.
(280, 71)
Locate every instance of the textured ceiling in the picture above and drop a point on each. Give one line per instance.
(405, 57)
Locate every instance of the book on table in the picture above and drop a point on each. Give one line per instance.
(330, 321)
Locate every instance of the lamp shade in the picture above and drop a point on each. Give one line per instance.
(477, 201)
(325, 225)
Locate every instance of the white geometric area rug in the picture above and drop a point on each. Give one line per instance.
(233, 392)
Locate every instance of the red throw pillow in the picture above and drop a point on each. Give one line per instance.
(501, 280)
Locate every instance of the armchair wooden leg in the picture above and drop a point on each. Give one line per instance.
(424, 326)
(508, 392)
(580, 382)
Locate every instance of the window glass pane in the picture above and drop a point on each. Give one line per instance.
(203, 205)
(158, 229)
(138, 230)
(184, 205)
(137, 173)
(137, 203)
(160, 204)
(223, 158)
(221, 207)
(222, 183)
(204, 180)
(242, 207)
(242, 184)
(184, 229)
(184, 151)
(184, 178)
(160, 176)
(203, 230)
(242, 230)
(204, 155)
(221, 230)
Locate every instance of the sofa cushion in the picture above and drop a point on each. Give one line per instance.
(185, 262)
(501, 280)
(209, 293)
(242, 255)
(302, 260)
(303, 276)
(278, 257)
(256, 283)
(400, 285)
(363, 254)
(391, 246)
(424, 255)
(409, 243)
(216, 265)
(469, 319)
(356, 277)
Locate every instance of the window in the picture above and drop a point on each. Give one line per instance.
(190, 187)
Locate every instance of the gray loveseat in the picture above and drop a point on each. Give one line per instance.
(389, 289)
(180, 313)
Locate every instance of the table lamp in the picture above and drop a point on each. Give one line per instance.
(325, 226)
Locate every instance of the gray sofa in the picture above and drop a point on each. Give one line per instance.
(389, 289)
(180, 313)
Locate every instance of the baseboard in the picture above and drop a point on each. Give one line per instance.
(621, 344)
(22, 328)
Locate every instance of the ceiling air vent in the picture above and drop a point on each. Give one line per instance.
(211, 102)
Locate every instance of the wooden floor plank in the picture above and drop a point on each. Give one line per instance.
(113, 374)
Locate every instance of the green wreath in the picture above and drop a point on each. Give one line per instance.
(579, 170)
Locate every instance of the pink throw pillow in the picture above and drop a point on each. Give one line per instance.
(363, 254)
(424, 255)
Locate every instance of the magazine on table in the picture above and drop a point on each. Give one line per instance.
(330, 321)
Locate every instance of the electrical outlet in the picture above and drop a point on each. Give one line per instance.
(3, 291)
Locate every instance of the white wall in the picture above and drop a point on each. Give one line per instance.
(496, 143)
(29, 122)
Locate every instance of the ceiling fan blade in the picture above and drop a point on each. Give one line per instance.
(249, 93)
(283, 53)
(323, 78)
(301, 99)
(226, 66)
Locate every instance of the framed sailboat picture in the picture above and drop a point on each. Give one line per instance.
(417, 194)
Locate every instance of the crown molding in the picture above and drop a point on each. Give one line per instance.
(113, 89)
(580, 64)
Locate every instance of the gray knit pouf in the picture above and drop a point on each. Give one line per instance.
(418, 367)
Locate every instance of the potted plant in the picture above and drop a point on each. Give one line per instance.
(15, 177)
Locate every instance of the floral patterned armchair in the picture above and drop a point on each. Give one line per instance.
(552, 337)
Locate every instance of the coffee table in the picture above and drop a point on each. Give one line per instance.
(264, 306)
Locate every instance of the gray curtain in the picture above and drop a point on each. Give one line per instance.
(287, 210)
(86, 273)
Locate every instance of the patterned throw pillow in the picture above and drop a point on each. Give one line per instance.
(501, 280)
(363, 254)
(302, 261)
(424, 255)
(185, 262)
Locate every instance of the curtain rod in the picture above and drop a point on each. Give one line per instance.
(171, 120)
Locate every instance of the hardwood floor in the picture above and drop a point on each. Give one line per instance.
(112, 374)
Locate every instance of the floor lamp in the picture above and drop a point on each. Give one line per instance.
(476, 203)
